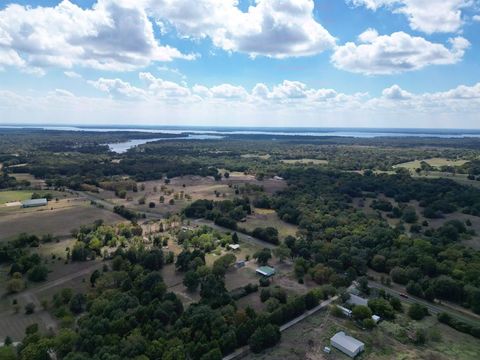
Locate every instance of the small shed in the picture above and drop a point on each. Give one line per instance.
(345, 311)
(376, 318)
(34, 203)
(347, 344)
(266, 271)
(357, 300)
(234, 247)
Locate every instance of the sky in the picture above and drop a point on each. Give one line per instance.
(312, 63)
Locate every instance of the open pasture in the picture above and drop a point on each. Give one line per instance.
(434, 162)
(265, 218)
(58, 218)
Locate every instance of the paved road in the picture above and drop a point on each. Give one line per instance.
(432, 308)
(243, 351)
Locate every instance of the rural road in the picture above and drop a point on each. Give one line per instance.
(432, 308)
(243, 351)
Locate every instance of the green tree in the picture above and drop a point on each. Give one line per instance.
(264, 337)
(417, 311)
(361, 312)
(191, 280)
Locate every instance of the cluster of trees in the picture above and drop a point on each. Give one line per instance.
(127, 213)
(205, 238)
(92, 239)
(224, 213)
(346, 241)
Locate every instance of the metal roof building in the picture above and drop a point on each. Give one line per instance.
(357, 300)
(34, 203)
(347, 344)
(266, 271)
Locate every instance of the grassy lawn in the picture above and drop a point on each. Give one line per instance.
(435, 162)
(11, 196)
(267, 217)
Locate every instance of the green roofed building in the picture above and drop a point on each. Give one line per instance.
(266, 271)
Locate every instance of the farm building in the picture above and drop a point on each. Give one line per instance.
(357, 300)
(345, 311)
(347, 344)
(266, 271)
(34, 203)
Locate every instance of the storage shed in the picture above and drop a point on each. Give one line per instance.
(266, 271)
(347, 344)
(34, 203)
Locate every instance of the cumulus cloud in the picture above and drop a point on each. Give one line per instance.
(274, 28)
(395, 92)
(112, 35)
(395, 53)
(428, 16)
(476, 18)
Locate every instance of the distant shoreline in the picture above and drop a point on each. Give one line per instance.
(280, 131)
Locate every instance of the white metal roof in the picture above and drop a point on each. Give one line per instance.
(347, 342)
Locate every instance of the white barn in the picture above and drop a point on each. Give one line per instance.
(347, 344)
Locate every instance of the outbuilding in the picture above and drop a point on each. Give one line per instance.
(266, 271)
(34, 203)
(234, 247)
(357, 300)
(347, 344)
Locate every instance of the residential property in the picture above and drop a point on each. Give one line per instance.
(347, 344)
(266, 271)
(357, 300)
(34, 203)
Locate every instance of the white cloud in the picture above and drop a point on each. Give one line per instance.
(428, 16)
(274, 28)
(72, 74)
(396, 93)
(112, 35)
(394, 107)
(395, 53)
(476, 18)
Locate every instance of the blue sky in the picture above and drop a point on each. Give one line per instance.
(382, 63)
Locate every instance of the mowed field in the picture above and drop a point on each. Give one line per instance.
(435, 162)
(266, 217)
(305, 161)
(58, 218)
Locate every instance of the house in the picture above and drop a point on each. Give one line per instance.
(266, 271)
(345, 311)
(34, 203)
(347, 344)
(357, 300)
(234, 247)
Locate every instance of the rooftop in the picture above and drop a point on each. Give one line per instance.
(357, 300)
(266, 271)
(348, 342)
(32, 202)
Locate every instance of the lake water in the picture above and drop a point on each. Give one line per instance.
(217, 130)
(123, 147)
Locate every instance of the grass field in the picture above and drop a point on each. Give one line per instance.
(65, 216)
(305, 161)
(13, 196)
(265, 218)
(435, 162)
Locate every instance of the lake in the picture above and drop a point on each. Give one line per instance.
(123, 147)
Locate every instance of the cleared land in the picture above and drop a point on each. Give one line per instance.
(67, 214)
(305, 161)
(435, 162)
(267, 217)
